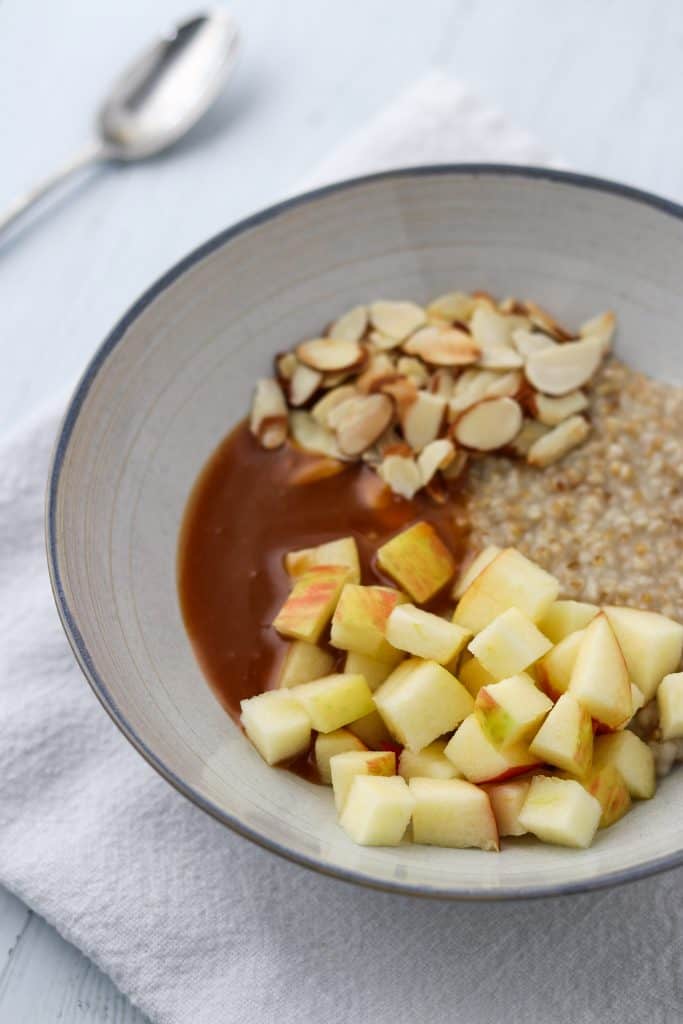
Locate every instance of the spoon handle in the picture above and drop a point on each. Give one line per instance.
(91, 153)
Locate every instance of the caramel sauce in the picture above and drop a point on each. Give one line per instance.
(248, 508)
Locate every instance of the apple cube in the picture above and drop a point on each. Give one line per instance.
(360, 620)
(310, 604)
(303, 662)
(670, 705)
(565, 617)
(473, 675)
(277, 725)
(606, 784)
(452, 812)
(511, 710)
(507, 800)
(345, 767)
(371, 730)
(469, 574)
(327, 745)
(373, 671)
(334, 700)
(632, 758)
(566, 737)
(421, 701)
(428, 763)
(377, 811)
(418, 560)
(599, 678)
(509, 581)
(336, 552)
(555, 668)
(560, 811)
(651, 645)
(425, 635)
(479, 760)
(509, 644)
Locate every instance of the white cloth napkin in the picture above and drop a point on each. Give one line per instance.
(196, 924)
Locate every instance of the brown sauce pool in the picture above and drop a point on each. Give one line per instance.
(248, 508)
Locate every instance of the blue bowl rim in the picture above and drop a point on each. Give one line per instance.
(67, 617)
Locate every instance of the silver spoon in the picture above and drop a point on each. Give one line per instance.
(160, 96)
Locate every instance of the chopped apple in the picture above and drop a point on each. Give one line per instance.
(454, 813)
(509, 644)
(555, 668)
(606, 784)
(335, 700)
(425, 635)
(303, 662)
(511, 710)
(377, 811)
(373, 671)
(632, 758)
(468, 575)
(566, 737)
(560, 811)
(327, 745)
(565, 617)
(507, 800)
(479, 760)
(509, 581)
(651, 644)
(670, 705)
(371, 730)
(336, 552)
(345, 767)
(360, 619)
(310, 604)
(473, 675)
(277, 725)
(421, 701)
(418, 560)
(428, 763)
(599, 678)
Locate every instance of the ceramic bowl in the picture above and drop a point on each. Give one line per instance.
(176, 374)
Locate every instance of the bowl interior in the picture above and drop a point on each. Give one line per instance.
(177, 374)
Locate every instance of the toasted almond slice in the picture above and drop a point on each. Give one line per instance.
(329, 355)
(451, 347)
(542, 318)
(601, 326)
(500, 357)
(401, 474)
(442, 382)
(414, 369)
(452, 306)
(470, 388)
(526, 342)
(403, 391)
(559, 370)
(285, 365)
(455, 468)
(383, 342)
(422, 420)
(268, 418)
(379, 368)
(360, 421)
(531, 431)
(323, 407)
(387, 442)
(490, 329)
(558, 442)
(433, 457)
(397, 319)
(511, 305)
(334, 380)
(552, 411)
(303, 384)
(488, 425)
(483, 298)
(318, 469)
(312, 437)
(505, 384)
(351, 326)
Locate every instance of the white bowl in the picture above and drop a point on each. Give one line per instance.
(176, 374)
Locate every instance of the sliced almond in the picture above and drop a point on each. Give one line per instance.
(312, 437)
(500, 357)
(403, 392)
(285, 365)
(421, 422)
(384, 445)
(379, 367)
(558, 442)
(488, 425)
(334, 380)
(397, 319)
(552, 411)
(470, 387)
(318, 469)
(601, 326)
(526, 342)
(505, 384)
(433, 457)
(401, 474)
(268, 418)
(455, 468)
(542, 318)
(383, 342)
(415, 369)
(490, 329)
(442, 382)
(559, 370)
(512, 305)
(452, 306)
(364, 419)
(483, 298)
(451, 347)
(351, 326)
(303, 384)
(329, 355)
(324, 406)
(531, 431)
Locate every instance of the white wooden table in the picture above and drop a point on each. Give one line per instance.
(599, 84)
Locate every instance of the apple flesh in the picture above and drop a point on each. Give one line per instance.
(507, 800)
(425, 635)
(453, 813)
(606, 784)
(327, 745)
(651, 645)
(345, 767)
(670, 705)
(334, 701)
(421, 701)
(377, 811)
(371, 730)
(304, 662)
(342, 552)
(512, 710)
(509, 644)
(360, 619)
(509, 581)
(428, 763)
(554, 670)
(479, 760)
(418, 560)
(311, 602)
(632, 758)
(565, 617)
(560, 811)
(277, 725)
(468, 575)
(599, 679)
(473, 675)
(373, 671)
(565, 739)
